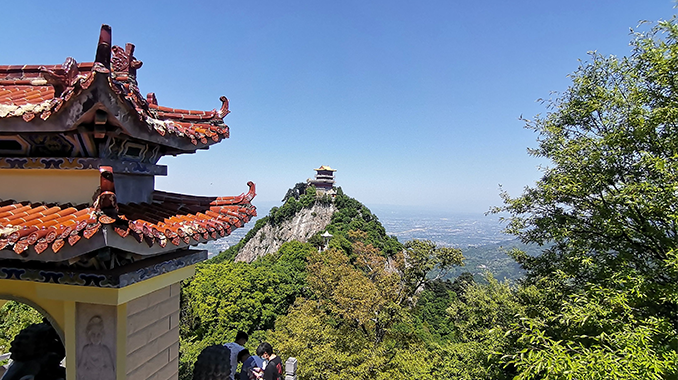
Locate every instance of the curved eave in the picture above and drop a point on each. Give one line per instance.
(107, 237)
(59, 234)
(29, 103)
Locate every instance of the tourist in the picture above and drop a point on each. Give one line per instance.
(251, 366)
(235, 347)
(274, 368)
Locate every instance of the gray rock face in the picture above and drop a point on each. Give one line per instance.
(304, 225)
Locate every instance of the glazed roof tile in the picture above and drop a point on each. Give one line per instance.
(37, 229)
(41, 90)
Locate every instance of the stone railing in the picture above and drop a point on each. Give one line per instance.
(291, 369)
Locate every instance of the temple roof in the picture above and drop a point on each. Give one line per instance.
(100, 101)
(55, 232)
(41, 92)
(325, 167)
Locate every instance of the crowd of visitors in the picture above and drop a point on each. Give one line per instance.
(265, 365)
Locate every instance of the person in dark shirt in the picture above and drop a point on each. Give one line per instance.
(251, 366)
(274, 368)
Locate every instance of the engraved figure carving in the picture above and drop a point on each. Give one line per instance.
(95, 361)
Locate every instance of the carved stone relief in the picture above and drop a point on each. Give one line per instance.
(95, 337)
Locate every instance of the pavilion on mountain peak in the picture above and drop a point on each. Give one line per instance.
(85, 237)
(324, 179)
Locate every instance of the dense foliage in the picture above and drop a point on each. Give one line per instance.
(224, 298)
(608, 302)
(15, 316)
(358, 321)
(352, 215)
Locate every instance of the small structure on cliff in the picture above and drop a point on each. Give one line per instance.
(324, 179)
(85, 237)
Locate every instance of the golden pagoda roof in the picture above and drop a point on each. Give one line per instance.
(325, 167)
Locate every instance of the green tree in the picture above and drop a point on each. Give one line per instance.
(351, 215)
(224, 298)
(608, 202)
(430, 311)
(480, 320)
(14, 317)
(358, 321)
(421, 258)
(595, 334)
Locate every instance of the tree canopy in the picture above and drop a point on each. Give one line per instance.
(608, 204)
(609, 199)
(15, 316)
(358, 321)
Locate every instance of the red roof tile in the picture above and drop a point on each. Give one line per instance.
(40, 90)
(21, 95)
(171, 218)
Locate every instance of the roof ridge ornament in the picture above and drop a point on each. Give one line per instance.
(103, 54)
(106, 201)
(64, 77)
(124, 62)
(134, 64)
(151, 99)
(251, 193)
(224, 107)
(71, 71)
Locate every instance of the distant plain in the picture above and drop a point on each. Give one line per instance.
(479, 236)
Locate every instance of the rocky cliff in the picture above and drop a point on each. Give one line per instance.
(305, 223)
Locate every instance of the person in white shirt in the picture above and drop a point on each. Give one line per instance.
(235, 347)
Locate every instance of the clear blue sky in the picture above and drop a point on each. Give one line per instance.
(415, 103)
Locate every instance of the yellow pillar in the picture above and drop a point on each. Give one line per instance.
(121, 342)
(71, 308)
(69, 337)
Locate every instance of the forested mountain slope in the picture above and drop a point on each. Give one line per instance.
(226, 296)
(599, 300)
